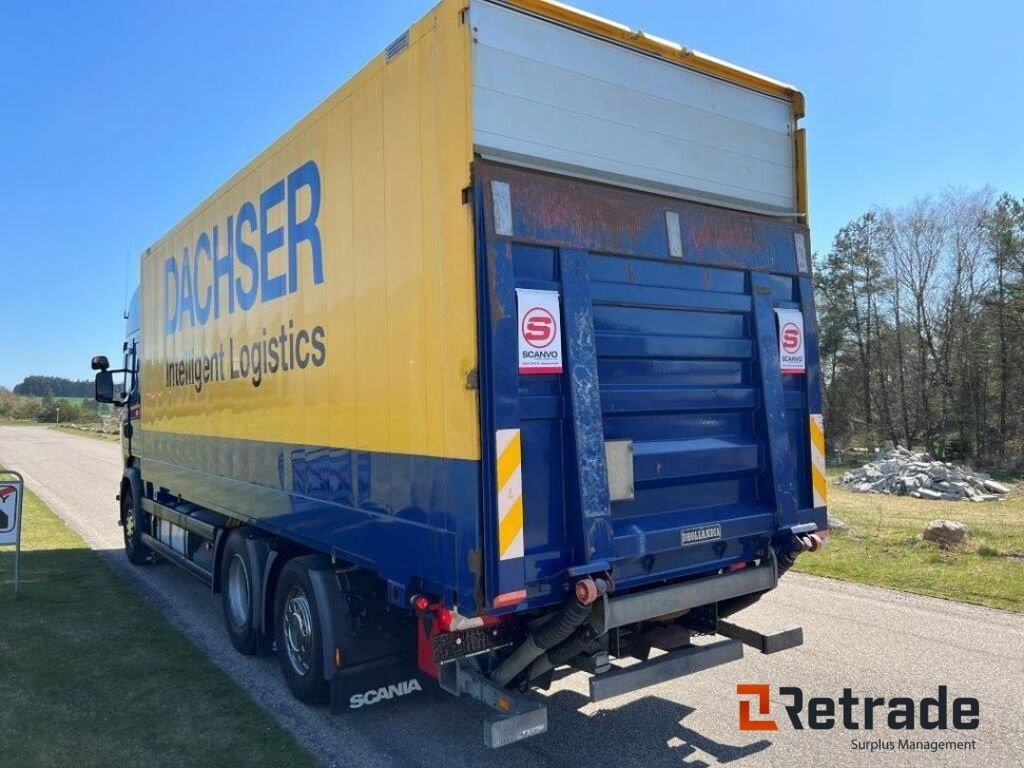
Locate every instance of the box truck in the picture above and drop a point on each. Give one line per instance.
(503, 360)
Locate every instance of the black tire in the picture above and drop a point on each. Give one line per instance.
(237, 593)
(297, 632)
(133, 522)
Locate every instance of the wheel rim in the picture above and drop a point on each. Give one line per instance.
(298, 630)
(129, 528)
(239, 599)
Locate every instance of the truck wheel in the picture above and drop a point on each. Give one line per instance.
(133, 522)
(297, 632)
(236, 594)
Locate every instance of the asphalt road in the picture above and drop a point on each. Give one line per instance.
(875, 641)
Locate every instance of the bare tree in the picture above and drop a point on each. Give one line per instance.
(921, 307)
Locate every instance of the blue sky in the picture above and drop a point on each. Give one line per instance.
(116, 118)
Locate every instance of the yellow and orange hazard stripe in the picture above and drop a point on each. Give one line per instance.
(510, 494)
(818, 460)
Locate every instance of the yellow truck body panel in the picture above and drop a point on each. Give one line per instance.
(397, 299)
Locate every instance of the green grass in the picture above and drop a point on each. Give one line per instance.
(883, 546)
(90, 675)
(90, 431)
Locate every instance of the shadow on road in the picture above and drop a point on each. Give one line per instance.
(650, 731)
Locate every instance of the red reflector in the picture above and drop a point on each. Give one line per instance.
(510, 598)
(420, 603)
(444, 619)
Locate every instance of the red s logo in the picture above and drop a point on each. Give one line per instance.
(791, 341)
(538, 328)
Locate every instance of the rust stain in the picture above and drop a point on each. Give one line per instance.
(553, 211)
(582, 215)
(494, 296)
(733, 233)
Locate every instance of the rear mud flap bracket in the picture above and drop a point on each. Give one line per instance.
(516, 717)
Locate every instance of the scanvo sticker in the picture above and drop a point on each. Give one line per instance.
(792, 350)
(540, 332)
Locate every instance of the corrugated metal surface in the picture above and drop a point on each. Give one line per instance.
(676, 353)
(397, 300)
(549, 96)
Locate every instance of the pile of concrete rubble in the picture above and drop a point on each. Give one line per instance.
(904, 473)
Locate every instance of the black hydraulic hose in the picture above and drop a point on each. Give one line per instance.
(553, 632)
(562, 653)
(559, 628)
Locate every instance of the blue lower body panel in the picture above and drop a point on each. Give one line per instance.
(414, 520)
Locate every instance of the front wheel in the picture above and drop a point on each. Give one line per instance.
(297, 632)
(133, 523)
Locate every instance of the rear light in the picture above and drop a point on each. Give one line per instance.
(510, 598)
(444, 619)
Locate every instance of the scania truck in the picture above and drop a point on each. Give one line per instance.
(503, 361)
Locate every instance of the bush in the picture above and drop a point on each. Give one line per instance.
(70, 412)
(26, 408)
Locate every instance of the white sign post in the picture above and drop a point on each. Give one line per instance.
(540, 332)
(12, 492)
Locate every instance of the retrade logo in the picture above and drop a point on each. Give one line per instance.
(791, 338)
(539, 328)
(850, 712)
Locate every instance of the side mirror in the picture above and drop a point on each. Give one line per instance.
(100, 363)
(105, 387)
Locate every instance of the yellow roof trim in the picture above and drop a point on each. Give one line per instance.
(666, 49)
